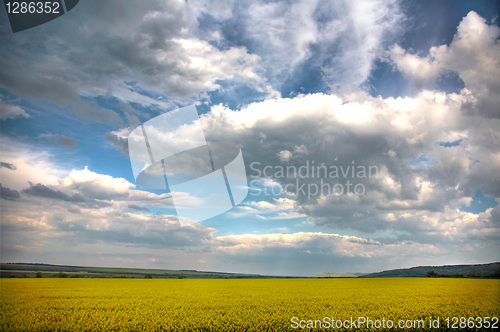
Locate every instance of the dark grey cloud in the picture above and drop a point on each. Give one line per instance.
(119, 139)
(8, 165)
(400, 138)
(41, 190)
(9, 194)
(152, 231)
(137, 207)
(65, 141)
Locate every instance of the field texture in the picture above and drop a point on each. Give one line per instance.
(238, 305)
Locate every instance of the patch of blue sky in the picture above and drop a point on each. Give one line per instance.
(44, 117)
(116, 105)
(233, 96)
(234, 222)
(480, 203)
(305, 79)
(450, 82)
(420, 35)
(387, 82)
(433, 23)
(135, 87)
(154, 210)
(421, 161)
(48, 119)
(451, 144)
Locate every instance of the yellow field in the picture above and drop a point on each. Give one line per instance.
(236, 304)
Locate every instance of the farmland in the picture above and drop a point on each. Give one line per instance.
(61, 304)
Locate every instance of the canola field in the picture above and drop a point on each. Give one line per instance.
(248, 304)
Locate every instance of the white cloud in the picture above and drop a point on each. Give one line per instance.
(96, 185)
(333, 244)
(338, 40)
(282, 32)
(270, 209)
(284, 155)
(31, 165)
(357, 31)
(421, 70)
(473, 54)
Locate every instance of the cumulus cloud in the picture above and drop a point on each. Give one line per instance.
(392, 135)
(402, 138)
(473, 55)
(88, 207)
(423, 71)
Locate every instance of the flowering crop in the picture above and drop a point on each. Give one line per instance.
(233, 304)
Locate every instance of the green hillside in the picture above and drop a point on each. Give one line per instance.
(491, 270)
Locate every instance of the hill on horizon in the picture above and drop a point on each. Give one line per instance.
(490, 270)
(13, 270)
(340, 275)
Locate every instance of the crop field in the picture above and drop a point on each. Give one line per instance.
(59, 304)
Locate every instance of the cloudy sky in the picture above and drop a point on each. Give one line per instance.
(410, 89)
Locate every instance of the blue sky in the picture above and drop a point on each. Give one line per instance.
(410, 88)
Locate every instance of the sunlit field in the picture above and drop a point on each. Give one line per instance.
(237, 304)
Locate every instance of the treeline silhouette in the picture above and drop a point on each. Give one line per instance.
(433, 274)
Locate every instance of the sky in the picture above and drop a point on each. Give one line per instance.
(391, 108)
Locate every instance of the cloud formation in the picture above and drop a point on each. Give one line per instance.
(430, 151)
(149, 45)
(473, 55)
(8, 111)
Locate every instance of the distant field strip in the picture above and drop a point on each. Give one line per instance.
(234, 304)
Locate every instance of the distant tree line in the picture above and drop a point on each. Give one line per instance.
(434, 274)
